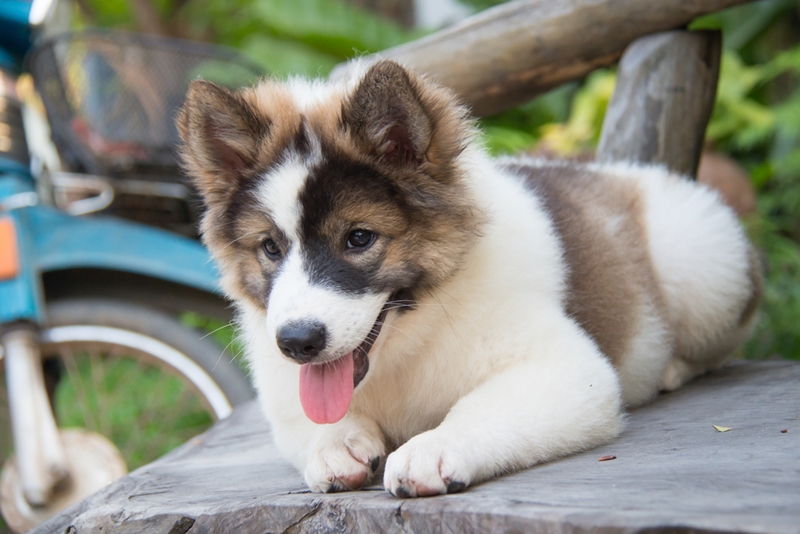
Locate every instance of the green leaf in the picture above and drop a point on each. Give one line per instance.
(330, 26)
(283, 57)
(499, 140)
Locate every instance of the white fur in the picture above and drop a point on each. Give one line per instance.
(308, 93)
(488, 374)
(640, 376)
(347, 318)
(278, 194)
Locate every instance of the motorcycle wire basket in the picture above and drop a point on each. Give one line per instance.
(112, 96)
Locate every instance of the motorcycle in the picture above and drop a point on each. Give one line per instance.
(93, 303)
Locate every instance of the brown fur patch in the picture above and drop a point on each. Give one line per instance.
(599, 222)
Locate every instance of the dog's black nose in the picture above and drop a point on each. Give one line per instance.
(302, 341)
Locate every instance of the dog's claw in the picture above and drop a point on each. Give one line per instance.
(401, 492)
(335, 488)
(456, 487)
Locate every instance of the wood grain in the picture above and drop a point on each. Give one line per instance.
(663, 100)
(672, 473)
(506, 55)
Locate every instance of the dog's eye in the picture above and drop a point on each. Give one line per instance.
(272, 249)
(360, 239)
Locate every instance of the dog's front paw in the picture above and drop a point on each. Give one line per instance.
(425, 466)
(343, 460)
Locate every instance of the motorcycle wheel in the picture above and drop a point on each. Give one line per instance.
(135, 375)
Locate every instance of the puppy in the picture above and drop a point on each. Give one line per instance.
(402, 293)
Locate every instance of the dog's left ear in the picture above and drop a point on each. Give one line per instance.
(387, 114)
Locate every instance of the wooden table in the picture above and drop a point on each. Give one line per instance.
(673, 472)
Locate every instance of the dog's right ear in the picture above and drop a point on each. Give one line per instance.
(221, 133)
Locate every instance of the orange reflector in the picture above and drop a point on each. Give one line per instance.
(9, 253)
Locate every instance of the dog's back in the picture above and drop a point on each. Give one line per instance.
(660, 273)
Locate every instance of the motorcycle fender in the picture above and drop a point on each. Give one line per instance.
(59, 241)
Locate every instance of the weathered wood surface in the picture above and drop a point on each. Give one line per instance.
(673, 473)
(506, 55)
(666, 84)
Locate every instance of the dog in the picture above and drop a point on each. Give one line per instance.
(401, 292)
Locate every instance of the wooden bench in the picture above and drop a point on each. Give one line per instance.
(673, 472)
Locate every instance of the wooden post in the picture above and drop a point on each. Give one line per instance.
(506, 55)
(664, 96)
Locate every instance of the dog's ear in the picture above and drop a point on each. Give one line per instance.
(221, 134)
(387, 115)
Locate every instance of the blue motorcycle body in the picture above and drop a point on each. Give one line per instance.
(49, 240)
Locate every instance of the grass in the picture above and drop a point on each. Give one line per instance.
(143, 410)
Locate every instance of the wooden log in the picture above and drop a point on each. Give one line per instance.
(663, 100)
(673, 472)
(506, 55)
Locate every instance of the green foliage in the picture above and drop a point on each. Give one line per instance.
(483, 4)
(519, 128)
(304, 37)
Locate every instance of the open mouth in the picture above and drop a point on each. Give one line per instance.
(326, 389)
(360, 353)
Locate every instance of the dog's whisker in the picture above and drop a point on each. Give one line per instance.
(387, 325)
(228, 325)
(239, 238)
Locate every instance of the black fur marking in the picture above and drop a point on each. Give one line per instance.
(328, 185)
(402, 301)
(242, 199)
(375, 463)
(300, 143)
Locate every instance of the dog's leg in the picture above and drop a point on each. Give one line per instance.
(339, 457)
(562, 399)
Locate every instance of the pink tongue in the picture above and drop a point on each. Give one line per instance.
(327, 389)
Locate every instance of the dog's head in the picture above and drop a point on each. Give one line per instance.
(328, 204)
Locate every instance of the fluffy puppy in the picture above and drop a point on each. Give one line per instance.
(402, 293)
